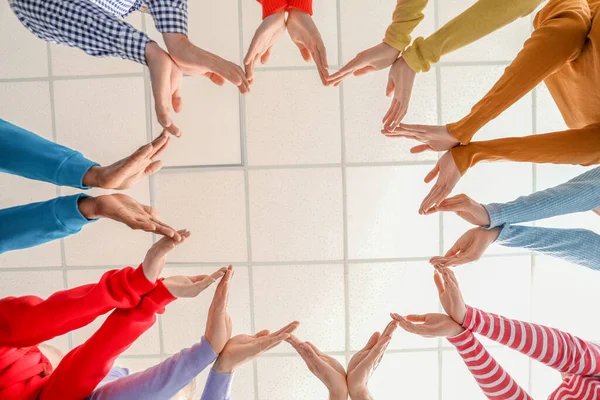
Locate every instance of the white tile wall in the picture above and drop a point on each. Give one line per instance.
(295, 185)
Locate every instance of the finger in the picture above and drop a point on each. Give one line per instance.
(401, 113)
(304, 52)
(439, 282)
(166, 230)
(177, 101)
(433, 173)
(421, 148)
(265, 57)
(203, 284)
(372, 341)
(216, 78)
(391, 86)
(429, 201)
(294, 341)
(364, 70)
(140, 225)
(315, 349)
(289, 328)
(310, 352)
(250, 70)
(352, 65)
(161, 87)
(416, 318)
(262, 333)
(153, 168)
(163, 146)
(393, 108)
(378, 350)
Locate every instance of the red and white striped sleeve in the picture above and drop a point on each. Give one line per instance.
(552, 347)
(493, 380)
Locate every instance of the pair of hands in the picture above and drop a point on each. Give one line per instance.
(354, 381)
(439, 325)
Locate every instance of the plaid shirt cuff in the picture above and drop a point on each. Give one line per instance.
(169, 19)
(134, 44)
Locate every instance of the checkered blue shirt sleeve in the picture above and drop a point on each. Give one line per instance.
(170, 16)
(82, 24)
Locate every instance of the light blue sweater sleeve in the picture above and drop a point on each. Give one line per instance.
(580, 194)
(31, 156)
(161, 382)
(36, 223)
(579, 246)
(218, 386)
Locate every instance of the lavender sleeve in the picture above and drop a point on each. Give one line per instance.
(160, 382)
(218, 386)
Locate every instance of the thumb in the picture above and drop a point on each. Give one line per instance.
(439, 282)
(433, 173)
(421, 148)
(391, 86)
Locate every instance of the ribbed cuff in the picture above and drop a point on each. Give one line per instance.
(414, 58)
(494, 211)
(139, 283)
(397, 43)
(206, 351)
(160, 296)
(218, 386)
(505, 234)
(169, 18)
(302, 5)
(469, 319)
(272, 6)
(67, 213)
(73, 169)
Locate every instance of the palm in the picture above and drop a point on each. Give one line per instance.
(448, 175)
(305, 34)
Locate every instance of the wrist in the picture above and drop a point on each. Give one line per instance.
(338, 394)
(223, 366)
(361, 393)
(90, 179)
(88, 207)
(176, 43)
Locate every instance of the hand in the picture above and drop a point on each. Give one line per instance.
(218, 324)
(429, 325)
(243, 348)
(468, 248)
(129, 171)
(165, 77)
(326, 368)
(433, 137)
(305, 34)
(597, 211)
(374, 59)
(449, 175)
(400, 84)
(466, 208)
(155, 259)
(122, 208)
(198, 62)
(191, 286)
(266, 35)
(450, 295)
(365, 362)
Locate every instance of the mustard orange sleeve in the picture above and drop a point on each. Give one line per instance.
(272, 6)
(302, 5)
(561, 31)
(574, 146)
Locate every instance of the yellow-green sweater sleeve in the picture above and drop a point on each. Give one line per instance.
(483, 18)
(408, 14)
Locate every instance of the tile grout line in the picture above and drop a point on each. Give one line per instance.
(63, 254)
(344, 190)
(533, 259)
(244, 166)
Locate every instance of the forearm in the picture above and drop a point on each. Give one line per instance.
(218, 386)
(29, 320)
(26, 154)
(493, 380)
(407, 15)
(162, 381)
(578, 246)
(580, 194)
(481, 19)
(558, 39)
(575, 146)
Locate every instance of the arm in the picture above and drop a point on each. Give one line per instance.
(272, 6)
(85, 366)
(574, 146)
(31, 156)
(481, 19)
(556, 349)
(162, 381)
(82, 24)
(170, 16)
(29, 320)
(493, 380)
(558, 38)
(580, 194)
(579, 246)
(218, 386)
(407, 15)
(33, 224)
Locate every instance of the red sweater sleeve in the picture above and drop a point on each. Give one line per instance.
(493, 380)
(302, 5)
(84, 367)
(556, 349)
(272, 6)
(28, 321)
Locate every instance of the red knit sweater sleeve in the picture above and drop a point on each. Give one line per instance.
(29, 320)
(493, 380)
(272, 6)
(302, 5)
(84, 367)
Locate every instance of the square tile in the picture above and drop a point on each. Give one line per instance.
(285, 53)
(501, 45)
(23, 55)
(577, 286)
(463, 87)
(70, 61)
(101, 242)
(383, 219)
(184, 322)
(364, 24)
(211, 205)
(489, 183)
(27, 104)
(548, 116)
(147, 344)
(137, 364)
(303, 221)
(365, 105)
(274, 381)
(417, 374)
(108, 119)
(458, 382)
(210, 125)
(292, 119)
(544, 381)
(375, 290)
(242, 386)
(279, 300)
